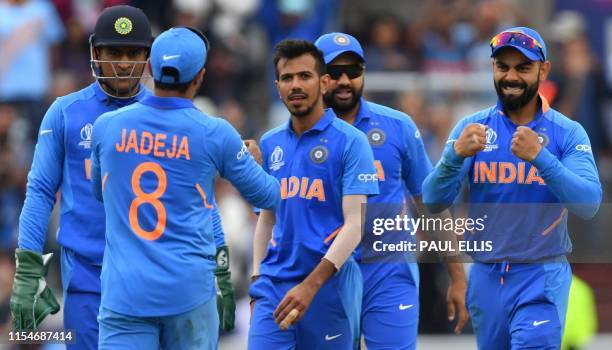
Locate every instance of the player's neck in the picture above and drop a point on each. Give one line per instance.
(173, 93)
(526, 114)
(302, 124)
(350, 115)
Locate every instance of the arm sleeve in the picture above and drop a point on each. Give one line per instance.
(415, 162)
(573, 178)
(217, 227)
(44, 181)
(238, 166)
(359, 173)
(442, 185)
(96, 171)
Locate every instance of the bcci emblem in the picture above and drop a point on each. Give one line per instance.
(543, 139)
(276, 159)
(123, 25)
(376, 137)
(318, 154)
(491, 138)
(86, 136)
(341, 40)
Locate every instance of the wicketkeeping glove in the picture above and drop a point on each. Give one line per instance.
(226, 304)
(31, 299)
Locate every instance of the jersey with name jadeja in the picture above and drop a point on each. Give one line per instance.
(154, 165)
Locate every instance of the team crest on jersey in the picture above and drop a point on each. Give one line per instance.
(319, 154)
(376, 137)
(86, 136)
(543, 139)
(491, 138)
(276, 159)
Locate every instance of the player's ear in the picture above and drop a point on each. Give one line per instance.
(278, 88)
(544, 70)
(324, 83)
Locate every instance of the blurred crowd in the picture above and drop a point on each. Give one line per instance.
(44, 53)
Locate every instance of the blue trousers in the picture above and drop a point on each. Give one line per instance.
(81, 285)
(390, 308)
(197, 329)
(330, 322)
(519, 306)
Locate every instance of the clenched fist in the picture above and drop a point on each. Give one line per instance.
(525, 144)
(471, 141)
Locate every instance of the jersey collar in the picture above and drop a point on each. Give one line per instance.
(327, 118)
(167, 102)
(363, 113)
(544, 107)
(102, 96)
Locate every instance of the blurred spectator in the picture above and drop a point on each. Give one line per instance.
(12, 178)
(445, 41)
(581, 88)
(28, 31)
(385, 51)
(486, 25)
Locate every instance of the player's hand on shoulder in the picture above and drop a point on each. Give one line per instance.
(525, 144)
(471, 141)
(254, 150)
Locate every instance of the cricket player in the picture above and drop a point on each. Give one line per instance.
(390, 308)
(307, 287)
(153, 165)
(526, 165)
(119, 50)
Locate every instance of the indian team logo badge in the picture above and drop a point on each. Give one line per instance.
(491, 138)
(123, 25)
(86, 136)
(276, 159)
(319, 154)
(341, 40)
(543, 139)
(376, 137)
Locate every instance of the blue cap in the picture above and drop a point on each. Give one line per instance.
(533, 54)
(179, 48)
(335, 44)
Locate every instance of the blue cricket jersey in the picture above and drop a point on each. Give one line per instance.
(154, 164)
(62, 162)
(524, 204)
(400, 159)
(315, 170)
(399, 153)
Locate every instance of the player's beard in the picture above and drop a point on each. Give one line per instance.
(343, 107)
(513, 103)
(303, 110)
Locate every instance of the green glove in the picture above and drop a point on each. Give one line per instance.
(226, 305)
(31, 299)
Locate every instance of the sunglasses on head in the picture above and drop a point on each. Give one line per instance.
(352, 71)
(517, 39)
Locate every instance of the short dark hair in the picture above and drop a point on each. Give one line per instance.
(174, 86)
(292, 48)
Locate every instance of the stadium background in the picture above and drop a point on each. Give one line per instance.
(426, 58)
